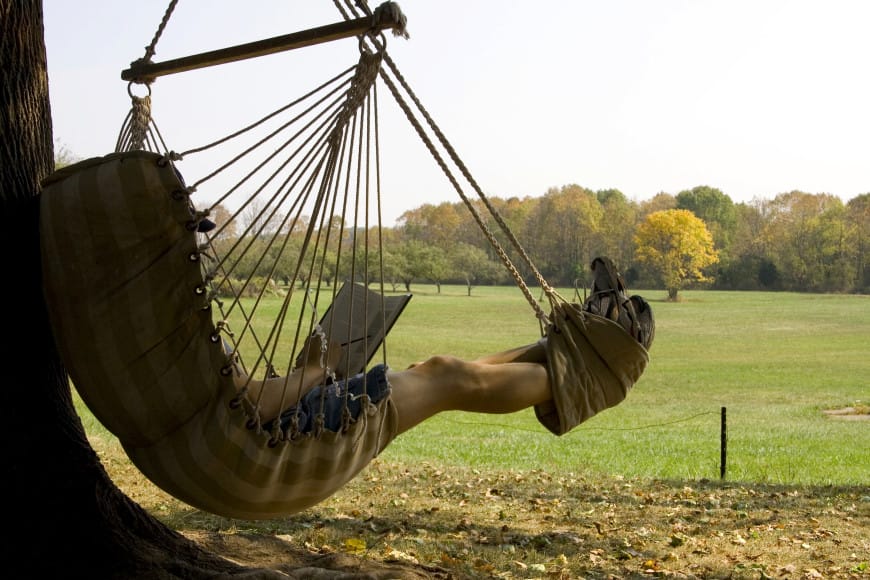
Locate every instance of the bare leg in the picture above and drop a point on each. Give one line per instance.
(504, 382)
(535, 352)
(449, 384)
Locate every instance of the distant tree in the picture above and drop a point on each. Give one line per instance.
(858, 233)
(809, 241)
(677, 245)
(615, 231)
(418, 259)
(472, 265)
(63, 156)
(514, 212)
(659, 202)
(436, 225)
(328, 268)
(222, 217)
(715, 208)
(567, 222)
(395, 266)
(750, 232)
(437, 267)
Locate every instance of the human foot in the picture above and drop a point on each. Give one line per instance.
(610, 299)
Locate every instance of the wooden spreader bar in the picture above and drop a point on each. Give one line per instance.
(144, 72)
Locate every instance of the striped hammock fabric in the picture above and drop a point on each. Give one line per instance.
(126, 298)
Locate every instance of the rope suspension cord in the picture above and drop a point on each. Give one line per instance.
(255, 230)
(127, 253)
(321, 145)
(388, 12)
(137, 131)
(348, 10)
(134, 266)
(487, 232)
(151, 49)
(322, 156)
(312, 179)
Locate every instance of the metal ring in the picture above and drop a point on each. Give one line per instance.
(130, 89)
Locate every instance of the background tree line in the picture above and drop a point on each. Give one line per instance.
(699, 237)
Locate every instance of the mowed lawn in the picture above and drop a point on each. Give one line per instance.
(775, 361)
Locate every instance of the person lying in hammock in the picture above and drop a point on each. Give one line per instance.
(612, 353)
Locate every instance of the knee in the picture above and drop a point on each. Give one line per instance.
(458, 378)
(448, 369)
(442, 364)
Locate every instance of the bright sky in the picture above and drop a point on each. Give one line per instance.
(754, 97)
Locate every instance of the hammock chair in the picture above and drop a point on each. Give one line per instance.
(157, 327)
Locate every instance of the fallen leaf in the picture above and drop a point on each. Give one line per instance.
(393, 555)
(355, 545)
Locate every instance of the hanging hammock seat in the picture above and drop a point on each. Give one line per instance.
(134, 297)
(125, 294)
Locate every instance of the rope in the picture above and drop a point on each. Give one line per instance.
(315, 165)
(584, 428)
(328, 157)
(151, 49)
(139, 131)
(442, 139)
(273, 114)
(475, 214)
(140, 116)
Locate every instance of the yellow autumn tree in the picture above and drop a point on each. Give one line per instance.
(676, 244)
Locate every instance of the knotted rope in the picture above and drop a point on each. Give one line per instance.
(551, 293)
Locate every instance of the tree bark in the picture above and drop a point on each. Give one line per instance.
(67, 517)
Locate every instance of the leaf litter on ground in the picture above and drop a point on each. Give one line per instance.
(458, 522)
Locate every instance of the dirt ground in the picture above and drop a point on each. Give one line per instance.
(413, 521)
(275, 553)
(469, 524)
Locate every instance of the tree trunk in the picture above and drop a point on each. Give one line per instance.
(65, 516)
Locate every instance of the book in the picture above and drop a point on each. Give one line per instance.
(358, 320)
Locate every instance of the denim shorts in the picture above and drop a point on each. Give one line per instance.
(329, 402)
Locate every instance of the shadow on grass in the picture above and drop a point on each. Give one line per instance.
(467, 523)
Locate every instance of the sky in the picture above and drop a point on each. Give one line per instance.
(753, 97)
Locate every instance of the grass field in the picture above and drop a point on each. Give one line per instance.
(634, 491)
(775, 361)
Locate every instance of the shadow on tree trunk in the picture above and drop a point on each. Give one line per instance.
(65, 517)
